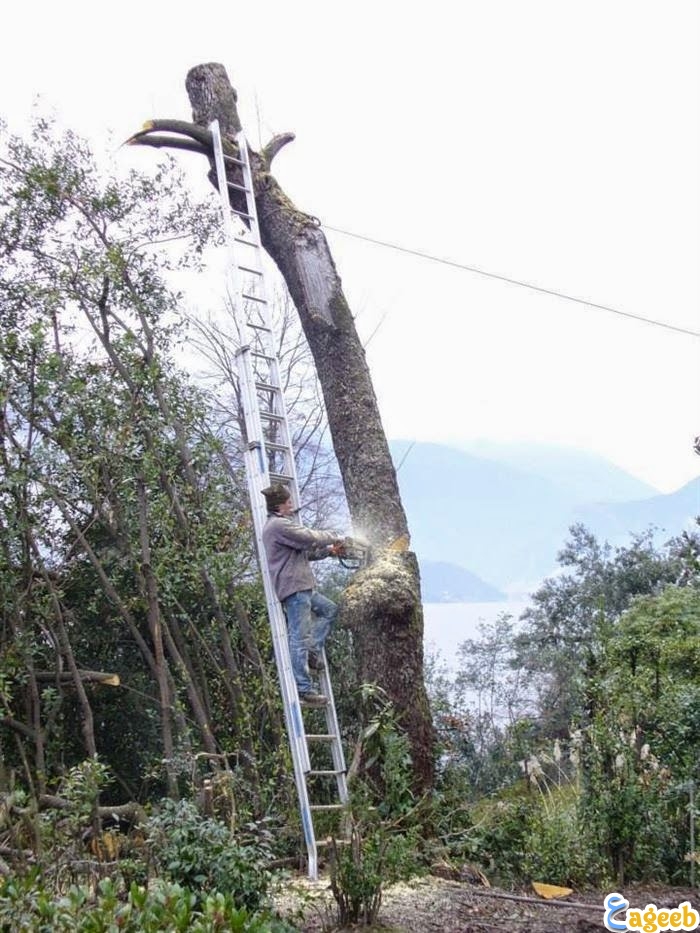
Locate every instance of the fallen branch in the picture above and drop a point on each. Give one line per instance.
(132, 812)
(22, 855)
(522, 898)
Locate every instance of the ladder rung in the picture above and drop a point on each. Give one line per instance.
(324, 773)
(320, 737)
(232, 184)
(266, 387)
(264, 327)
(279, 448)
(242, 214)
(242, 239)
(228, 158)
(281, 478)
(262, 356)
(251, 271)
(262, 301)
(271, 416)
(328, 806)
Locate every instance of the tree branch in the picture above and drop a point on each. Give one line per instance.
(65, 677)
(273, 147)
(167, 142)
(194, 132)
(17, 726)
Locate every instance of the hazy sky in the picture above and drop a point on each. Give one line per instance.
(549, 141)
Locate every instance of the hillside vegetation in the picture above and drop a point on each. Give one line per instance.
(145, 780)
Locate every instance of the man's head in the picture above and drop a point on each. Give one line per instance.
(279, 499)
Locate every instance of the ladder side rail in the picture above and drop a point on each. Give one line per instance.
(286, 438)
(292, 713)
(229, 233)
(258, 471)
(294, 723)
(250, 402)
(257, 474)
(275, 375)
(333, 727)
(290, 701)
(258, 477)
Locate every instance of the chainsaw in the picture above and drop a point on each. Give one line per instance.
(352, 553)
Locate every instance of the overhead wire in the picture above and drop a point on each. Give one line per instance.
(512, 281)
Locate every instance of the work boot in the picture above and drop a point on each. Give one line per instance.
(315, 661)
(312, 699)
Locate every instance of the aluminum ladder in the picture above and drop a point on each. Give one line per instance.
(269, 458)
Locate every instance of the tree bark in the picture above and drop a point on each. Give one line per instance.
(155, 625)
(384, 604)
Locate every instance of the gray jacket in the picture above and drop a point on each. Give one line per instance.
(289, 547)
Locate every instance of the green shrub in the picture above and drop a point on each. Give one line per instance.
(27, 907)
(557, 848)
(201, 854)
(375, 857)
(386, 827)
(633, 813)
(498, 838)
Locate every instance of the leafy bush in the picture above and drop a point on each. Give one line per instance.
(200, 854)
(374, 857)
(498, 837)
(558, 848)
(27, 907)
(386, 825)
(624, 802)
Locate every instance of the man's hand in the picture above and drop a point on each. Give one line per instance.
(337, 549)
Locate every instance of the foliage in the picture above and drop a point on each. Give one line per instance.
(384, 824)
(622, 803)
(642, 744)
(125, 548)
(560, 630)
(654, 669)
(361, 868)
(531, 831)
(124, 543)
(559, 847)
(386, 757)
(607, 741)
(201, 854)
(26, 905)
(62, 830)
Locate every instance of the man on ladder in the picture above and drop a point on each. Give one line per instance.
(289, 547)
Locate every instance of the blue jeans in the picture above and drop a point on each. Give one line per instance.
(310, 618)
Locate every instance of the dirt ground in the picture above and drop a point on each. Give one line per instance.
(438, 905)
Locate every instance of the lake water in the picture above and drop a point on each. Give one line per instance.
(447, 625)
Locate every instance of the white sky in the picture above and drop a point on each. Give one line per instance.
(550, 141)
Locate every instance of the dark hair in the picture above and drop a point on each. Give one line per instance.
(276, 495)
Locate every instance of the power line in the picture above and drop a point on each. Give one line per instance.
(505, 278)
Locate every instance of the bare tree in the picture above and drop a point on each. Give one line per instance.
(320, 486)
(383, 603)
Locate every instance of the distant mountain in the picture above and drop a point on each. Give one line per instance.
(669, 514)
(503, 524)
(585, 476)
(448, 583)
(506, 524)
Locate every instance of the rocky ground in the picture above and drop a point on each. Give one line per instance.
(438, 905)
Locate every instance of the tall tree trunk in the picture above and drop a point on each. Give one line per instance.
(383, 606)
(156, 629)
